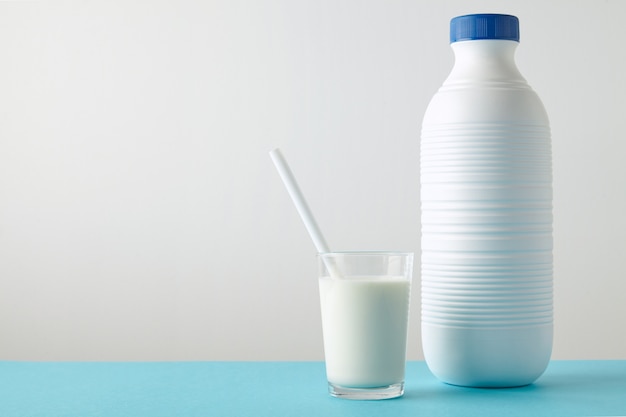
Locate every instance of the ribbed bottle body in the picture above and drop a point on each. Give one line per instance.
(486, 216)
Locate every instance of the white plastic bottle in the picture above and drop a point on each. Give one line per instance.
(486, 194)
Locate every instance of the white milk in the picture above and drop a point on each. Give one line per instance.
(365, 327)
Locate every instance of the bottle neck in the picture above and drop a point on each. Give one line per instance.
(485, 61)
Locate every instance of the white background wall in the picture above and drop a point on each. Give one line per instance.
(141, 217)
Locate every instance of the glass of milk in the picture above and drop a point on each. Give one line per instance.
(365, 310)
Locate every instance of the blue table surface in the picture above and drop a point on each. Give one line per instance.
(568, 388)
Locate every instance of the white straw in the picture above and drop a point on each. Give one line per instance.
(303, 208)
(298, 199)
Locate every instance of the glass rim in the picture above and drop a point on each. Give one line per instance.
(365, 253)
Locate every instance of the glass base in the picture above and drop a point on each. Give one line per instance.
(374, 393)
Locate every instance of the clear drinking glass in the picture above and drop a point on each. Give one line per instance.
(365, 310)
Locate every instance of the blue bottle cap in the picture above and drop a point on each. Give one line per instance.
(484, 26)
